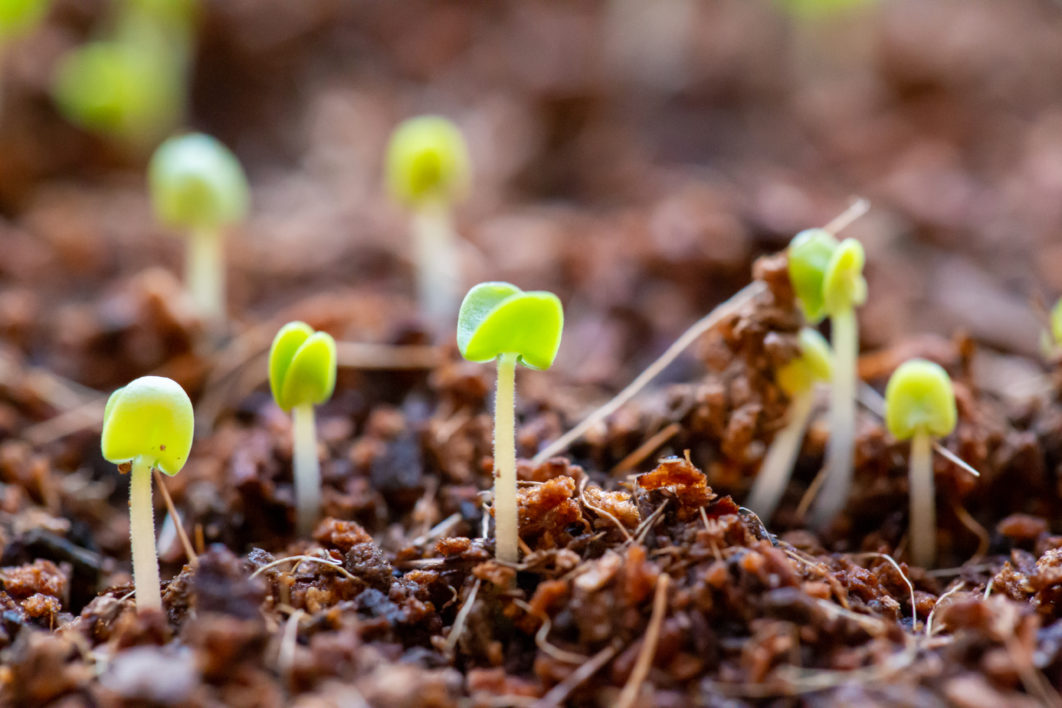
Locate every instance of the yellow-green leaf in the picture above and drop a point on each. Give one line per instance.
(302, 366)
(919, 397)
(499, 318)
(150, 418)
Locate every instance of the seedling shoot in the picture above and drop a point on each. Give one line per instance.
(148, 423)
(198, 185)
(302, 374)
(499, 321)
(920, 406)
(828, 279)
(797, 378)
(428, 172)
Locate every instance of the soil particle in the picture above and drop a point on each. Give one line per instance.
(43, 668)
(367, 561)
(689, 484)
(546, 512)
(340, 535)
(223, 586)
(152, 675)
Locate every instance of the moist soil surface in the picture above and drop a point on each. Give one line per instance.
(642, 202)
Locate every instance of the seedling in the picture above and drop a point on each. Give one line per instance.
(198, 185)
(428, 172)
(797, 378)
(828, 279)
(500, 321)
(920, 406)
(17, 17)
(147, 424)
(302, 374)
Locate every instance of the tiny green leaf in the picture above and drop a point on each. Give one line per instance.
(814, 363)
(302, 366)
(844, 286)
(809, 255)
(919, 397)
(150, 418)
(427, 162)
(197, 183)
(500, 318)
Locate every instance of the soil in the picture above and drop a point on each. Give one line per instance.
(645, 170)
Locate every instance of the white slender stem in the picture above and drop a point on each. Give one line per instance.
(777, 466)
(840, 448)
(438, 265)
(205, 273)
(506, 524)
(142, 538)
(923, 532)
(307, 469)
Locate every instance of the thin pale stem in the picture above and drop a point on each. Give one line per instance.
(307, 469)
(506, 528)
(777, 466)
(438, 265)
(923, 533)
(205, 273)
(840, 448)
(142, 538)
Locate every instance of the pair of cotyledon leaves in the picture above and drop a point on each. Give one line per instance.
(499, 318)
(827, 276)
(302, 366)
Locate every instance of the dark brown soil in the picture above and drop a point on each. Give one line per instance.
(643, 202)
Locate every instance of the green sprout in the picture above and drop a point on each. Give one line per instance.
(302, 374)
(828, 279)
(130, 83)
(146, 424)
(499, 321)
(428, 171)
(920, 406)
(198, 185)
(17, 17)
(797, 379)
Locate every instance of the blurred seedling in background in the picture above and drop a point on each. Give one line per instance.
(147, 424)
(1051, 336)
(18, 18)
(798, 380)
(843, 289)
(920, 406)
(302, 374)
(198, 185)
(428, 172)
(501, 322)
(130, 83)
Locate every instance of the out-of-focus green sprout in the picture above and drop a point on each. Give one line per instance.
(499, 321)
(816, 9)
(198, 185)
(828, 279)
(797, 378)
(1051, 337)
(148, 423)
(131, 83)
(428, 171)
(920, 406)
(302, 374)
(17, 17)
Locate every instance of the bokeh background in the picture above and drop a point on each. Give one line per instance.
(633, 156)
